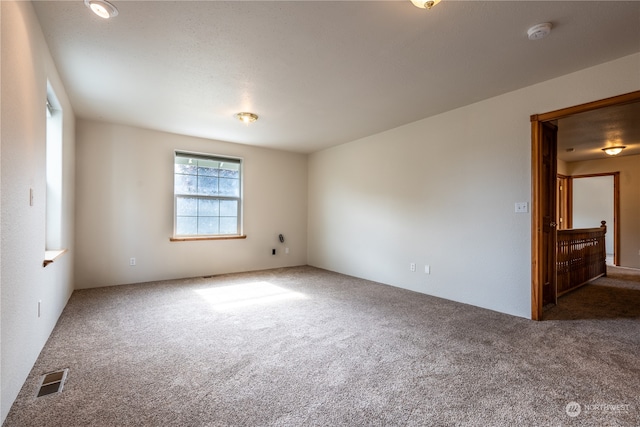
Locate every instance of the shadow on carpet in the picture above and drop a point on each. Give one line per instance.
(616, 296)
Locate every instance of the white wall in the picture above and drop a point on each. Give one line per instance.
(593, 203)
(629, 168)
(562, 167)
(26, 66)
(441, 191)
(125, 208)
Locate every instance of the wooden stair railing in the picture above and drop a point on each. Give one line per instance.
(581, 257)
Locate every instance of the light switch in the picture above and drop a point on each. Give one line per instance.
(522, 207)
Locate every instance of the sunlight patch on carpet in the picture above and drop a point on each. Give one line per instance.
(224, 298)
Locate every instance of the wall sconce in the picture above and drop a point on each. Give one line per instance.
(612, 151)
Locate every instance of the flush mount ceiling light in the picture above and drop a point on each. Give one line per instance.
(247, 118)
(613, 151)
(102, 8)
(539, 31)
(425, 4)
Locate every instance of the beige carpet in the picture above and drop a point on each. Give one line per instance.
(307, 347)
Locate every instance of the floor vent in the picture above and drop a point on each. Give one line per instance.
(52, 382)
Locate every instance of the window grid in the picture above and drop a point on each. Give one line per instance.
(207, 195)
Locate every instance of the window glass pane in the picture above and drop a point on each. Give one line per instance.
(228, 225)
(229, 187)
(208, 167)
(207, 185)
(208, 225)
(186, 225)
(209, 207)
(203, 186)
(187, 206)
(230, 170)
(228, 208)
(186, 169)
(186, 184)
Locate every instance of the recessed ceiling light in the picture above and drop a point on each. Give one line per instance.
(539, 31)
(102, 8)
(247, 118)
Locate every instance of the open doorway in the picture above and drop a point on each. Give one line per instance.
(596, 198)
(544, 190)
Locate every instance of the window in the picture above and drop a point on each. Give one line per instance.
(53, 172)
(207, 195)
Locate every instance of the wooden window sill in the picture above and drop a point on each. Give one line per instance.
(50, 256)
(196, 238)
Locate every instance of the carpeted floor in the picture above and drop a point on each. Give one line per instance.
(307, 347)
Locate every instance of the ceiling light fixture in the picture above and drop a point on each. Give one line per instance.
(539, 31)
(425, 4)
(247, 118)
(102, 8)
(613, 151)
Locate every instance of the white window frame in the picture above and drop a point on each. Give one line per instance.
(209, 157)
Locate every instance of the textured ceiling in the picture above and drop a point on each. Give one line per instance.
(588, 133)
(319, 73)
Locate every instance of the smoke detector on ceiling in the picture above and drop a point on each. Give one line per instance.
(539, 31)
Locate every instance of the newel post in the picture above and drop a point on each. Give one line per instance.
(603, 225)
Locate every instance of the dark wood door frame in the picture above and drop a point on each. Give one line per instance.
(565, 202)
(537, 271)
(548, 210)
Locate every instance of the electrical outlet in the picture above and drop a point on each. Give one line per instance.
(286, 251)
(427, 269)
(412, 266)
(273, 251)
(132, 261)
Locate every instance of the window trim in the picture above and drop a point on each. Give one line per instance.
(196, 238)
(51, 256)
(215, 157)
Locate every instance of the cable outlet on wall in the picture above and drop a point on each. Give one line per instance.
(132, 261)
(522, 207)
